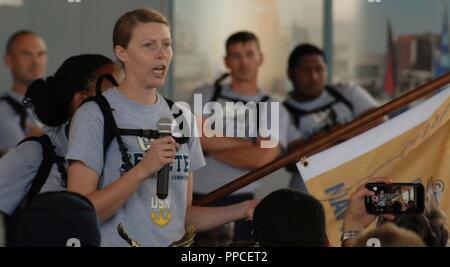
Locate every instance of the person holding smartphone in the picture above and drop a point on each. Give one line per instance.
(363, 210)
(356, 218)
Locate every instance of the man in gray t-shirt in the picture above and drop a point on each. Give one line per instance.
(27, 60)
(315, 107)
(228, 158)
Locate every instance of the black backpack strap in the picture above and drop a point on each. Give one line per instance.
(98, 85)
(111, 130)
(218, 87)
(339, 97)
(150, 134)
(170, 104)
(265, 98)
(296, 113)
(183, 139)
(18, 108)
(218, 91)
(62, 169)
(301, 112)
(49, 157)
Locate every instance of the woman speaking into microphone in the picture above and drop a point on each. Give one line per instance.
(121, 180)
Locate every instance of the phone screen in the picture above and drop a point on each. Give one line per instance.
(395, 198)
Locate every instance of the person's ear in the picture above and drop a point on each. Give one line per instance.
(226, 61)
(261, 61)
(8, 60)
(290, 74)
(121, 53)
(77, 99)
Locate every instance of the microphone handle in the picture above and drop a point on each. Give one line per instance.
(162, 182)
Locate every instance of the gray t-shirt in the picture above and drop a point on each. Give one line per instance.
(148, 220)
(217, 173)
(11, 133)
(314, 123)
(20, 165)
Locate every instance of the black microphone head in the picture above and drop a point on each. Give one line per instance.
(165, 126)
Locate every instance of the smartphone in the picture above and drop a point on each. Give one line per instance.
(396, 198)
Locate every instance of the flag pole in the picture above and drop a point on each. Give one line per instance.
(310, 148)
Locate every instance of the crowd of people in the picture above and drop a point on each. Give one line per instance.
(72, 132)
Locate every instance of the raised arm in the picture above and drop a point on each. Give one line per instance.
(108, 200)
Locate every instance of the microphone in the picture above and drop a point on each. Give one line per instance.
(162, 183)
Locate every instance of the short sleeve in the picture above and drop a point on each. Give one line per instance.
(362, 101)
(86, 137)
(10, 131)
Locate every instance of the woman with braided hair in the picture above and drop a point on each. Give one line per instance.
(53, 101)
